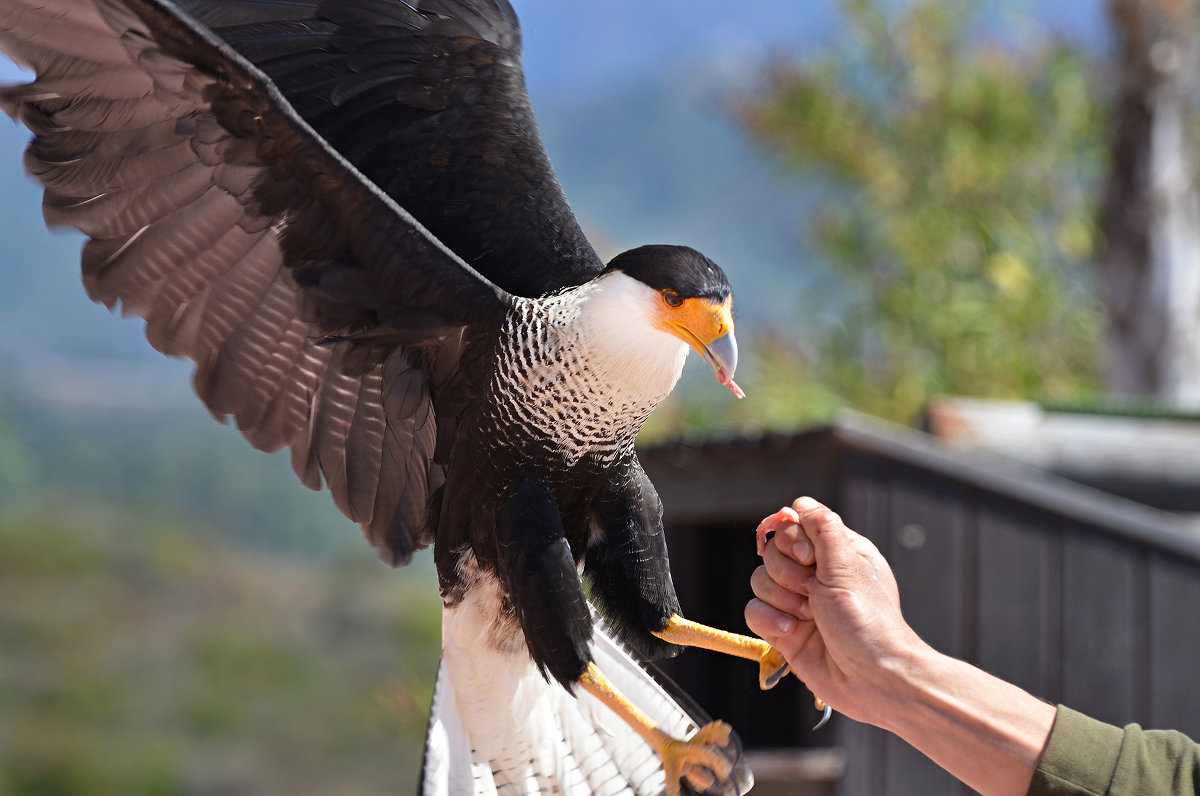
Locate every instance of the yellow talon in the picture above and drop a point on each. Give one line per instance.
(715, 733)
(696, 759)
(772, 667)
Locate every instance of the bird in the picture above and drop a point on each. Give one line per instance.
(342, 212)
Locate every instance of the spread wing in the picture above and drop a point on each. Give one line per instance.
(321, 316)
(428, 100)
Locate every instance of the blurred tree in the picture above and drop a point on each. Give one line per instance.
(1151, 261)
(959, 172)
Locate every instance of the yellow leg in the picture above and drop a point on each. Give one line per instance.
(696, 758)
(771, 665)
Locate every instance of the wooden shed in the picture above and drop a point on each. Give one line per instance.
(1078, 596)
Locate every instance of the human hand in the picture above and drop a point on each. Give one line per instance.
(827, 600)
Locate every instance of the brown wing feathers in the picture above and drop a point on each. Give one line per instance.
(200, 194)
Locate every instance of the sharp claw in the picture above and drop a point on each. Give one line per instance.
(715, 733)
(771, 669)
(825, 716)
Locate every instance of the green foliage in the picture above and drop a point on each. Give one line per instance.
(142, 660)
(782, 392)
(959, 178)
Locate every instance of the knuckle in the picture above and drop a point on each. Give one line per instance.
(828, 519)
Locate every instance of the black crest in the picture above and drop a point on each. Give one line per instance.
(680, 268)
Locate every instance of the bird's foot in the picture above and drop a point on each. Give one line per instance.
(772, 667)
(702, 759)
(698, 759)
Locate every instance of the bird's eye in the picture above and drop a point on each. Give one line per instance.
(672, 298)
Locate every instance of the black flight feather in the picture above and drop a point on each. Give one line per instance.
(428, 101)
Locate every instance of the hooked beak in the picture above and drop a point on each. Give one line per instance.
(708, 328)
(722, 355)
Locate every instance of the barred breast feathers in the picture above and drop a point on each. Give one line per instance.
(582, 369)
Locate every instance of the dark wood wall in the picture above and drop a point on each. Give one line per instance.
(1075, 596)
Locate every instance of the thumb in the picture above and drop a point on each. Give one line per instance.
(829, 536)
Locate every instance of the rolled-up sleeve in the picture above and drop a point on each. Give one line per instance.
(1085, 756)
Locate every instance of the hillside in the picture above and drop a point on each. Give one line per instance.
(145, 658)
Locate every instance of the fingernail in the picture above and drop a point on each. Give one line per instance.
(785, 624)
(802, 550)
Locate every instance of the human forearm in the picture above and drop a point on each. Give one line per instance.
(986, 732)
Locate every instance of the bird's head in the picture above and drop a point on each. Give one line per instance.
(694, 302)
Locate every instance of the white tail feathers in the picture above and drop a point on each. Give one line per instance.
(498, 727)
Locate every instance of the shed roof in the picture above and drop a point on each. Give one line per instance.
(729, 479)
(1151, 457)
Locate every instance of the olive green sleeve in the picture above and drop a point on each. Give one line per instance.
(1085, 756)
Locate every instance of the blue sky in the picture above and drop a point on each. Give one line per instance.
(581, 45)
